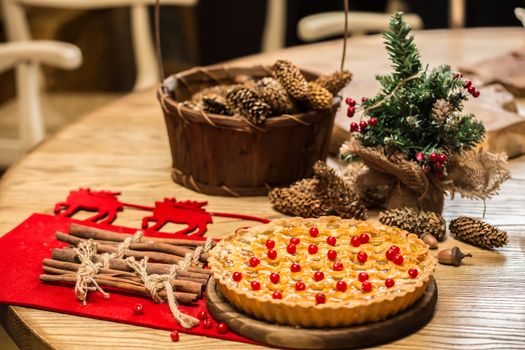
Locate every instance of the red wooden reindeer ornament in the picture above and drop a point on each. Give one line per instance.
(106, 205)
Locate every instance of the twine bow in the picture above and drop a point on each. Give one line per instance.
(87, 271)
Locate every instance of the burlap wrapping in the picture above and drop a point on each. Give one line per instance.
(476, 174)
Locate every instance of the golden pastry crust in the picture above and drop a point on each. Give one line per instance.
(322, 302)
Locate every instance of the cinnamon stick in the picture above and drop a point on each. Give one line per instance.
(67, 254)
(96, 233)
(181, 297)
(178, 285)
(70, 266)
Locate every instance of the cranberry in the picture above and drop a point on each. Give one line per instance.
(207, 324)
(312, 249)
(364, 238)
(202, 315)
(467, 84)
(366, 286)
(362, 125)
(320, 298)
(433, 157)
(255, 285)
(395, 249)
(138, 309)
(390, 254)
(331, 240)
(355, 241)
(222, 328)
(174, 336)
(350, 101)
(270, 244)
(362, 257)
(341, 286)
(420, 156)
(295, 267)
(475, 93)
(332, 254)
(398, 259)
(372, 121)
(318, 276)
(295, 240)
(254, 262)
(363, 276)
(364, 99)
(277, 295)
(350, 111)
(300, 286)
(389, 283)
(314, 232)
(354, 127)
(442, 158)
(272, 254)
(291, 248)
(237, 276)
(438, 165)
(274, 277)
(412, 273)
(338, 266)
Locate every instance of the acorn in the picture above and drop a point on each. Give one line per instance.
(430, 240)
(452, 256)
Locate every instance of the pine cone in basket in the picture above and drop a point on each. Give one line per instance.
(291, 78)
(318, 97)
(415, 221)
(477, 232)
(273, 93)
(334, 82)
(214, 103)
(248, 104)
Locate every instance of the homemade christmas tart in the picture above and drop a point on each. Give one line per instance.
(325, 272)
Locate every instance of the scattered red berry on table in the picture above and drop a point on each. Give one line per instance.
(389, 283)
(362, 257)
(442, 158)
(314, 232)
(295, 267)
(300, 286)
(138, 309)
(364, 238)
(362, 125)
(338, 266)
(222, 328)
(350, 101)
(320, 298)
(312, 249)
(174, 336)
(412, 273)
(277, 295)
(291, 248)
(295, 240)
(420, 156)
(255, 285)
(274, 277)
(318, 276)
(332, 254)
(272, 254)
(237, 276)
(433, 157)
(366, 286)
(331, 240)
(207, 324)
(341, 286)
(372, 121)
(355, 241)
(363, 276)
(354, 127)
(202, 315)
(270, 244)
(254, 262)
(398, 259)
(350, 112)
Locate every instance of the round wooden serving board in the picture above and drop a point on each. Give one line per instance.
(359, 336)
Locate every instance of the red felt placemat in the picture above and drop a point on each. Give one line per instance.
(21, 253)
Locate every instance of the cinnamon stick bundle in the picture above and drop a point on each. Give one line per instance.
(120, 285)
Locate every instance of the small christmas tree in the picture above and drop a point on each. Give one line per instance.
(417, 113)
(415, 142)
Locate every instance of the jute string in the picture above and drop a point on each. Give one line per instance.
(87, 270)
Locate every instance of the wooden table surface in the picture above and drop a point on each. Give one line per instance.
(124, 147)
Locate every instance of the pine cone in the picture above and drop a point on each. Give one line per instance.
(273, 93)
(441, 110)
(415, 221)
(318, 97)
(290, 78)
(297, 200)
(477, 232)
(248, 104)
(215, 104)
(334, 82)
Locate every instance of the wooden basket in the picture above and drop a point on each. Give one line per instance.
(227, 155)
